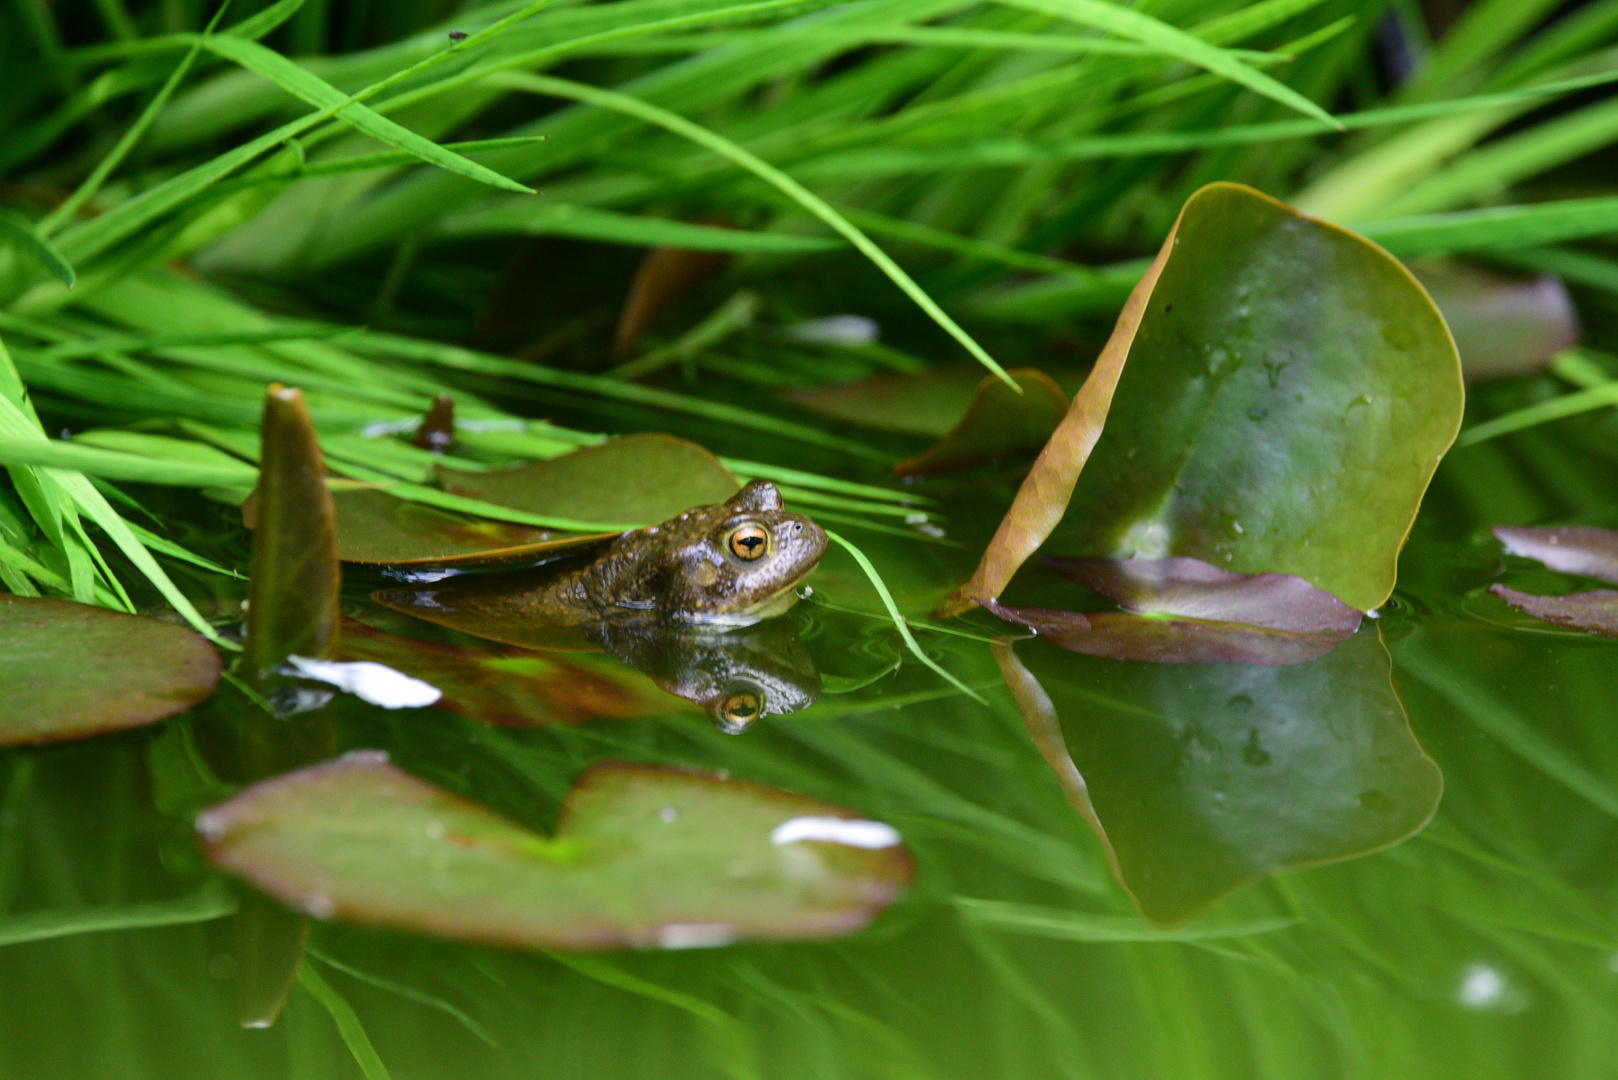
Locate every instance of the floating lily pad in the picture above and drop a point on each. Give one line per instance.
(643, 857)
(1581, 550)
(927, 403)
(295, 576)
(514, 687)
(998, 422)
(1122, 635)
(1202, 780)
(1504, 324)
(1593, 612)
(1288, 392)
(633, 480)
(376, 528)
(71, 670)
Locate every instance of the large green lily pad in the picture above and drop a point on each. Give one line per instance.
(643, 857)
(634, 480)
(1201, 779)
(71, 670)
(1275, 398)
(379, 529)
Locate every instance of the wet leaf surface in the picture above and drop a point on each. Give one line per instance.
(634, 480)
(71, 670)
(1592, 612)
(643, 856)
(514, 687)
(295, 575)
(1288, 393)
(376, 528)
(1503, 324)
(998, 423)
(1581, 550)
(1200, 780)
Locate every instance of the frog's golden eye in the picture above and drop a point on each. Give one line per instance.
(748, 542)
(740, 709)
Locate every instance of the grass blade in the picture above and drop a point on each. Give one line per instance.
(31, 241)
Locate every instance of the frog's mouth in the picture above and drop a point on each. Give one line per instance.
(775, 604)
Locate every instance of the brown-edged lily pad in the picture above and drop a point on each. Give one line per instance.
(643, 857)
(1275, 398)
(998, 422)
(629, 481)
(71, 670)
(1184, 611)
(1583, 551)
(1201, 780)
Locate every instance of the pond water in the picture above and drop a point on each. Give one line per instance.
(1400, 859)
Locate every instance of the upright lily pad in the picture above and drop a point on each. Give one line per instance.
(1580, 550)
(1275, 398)
(998, 422)
(295, 578)
(71, 670)
(629, 481)
(1202, 779)
(643, 857)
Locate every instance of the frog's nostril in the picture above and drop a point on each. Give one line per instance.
(797, 527)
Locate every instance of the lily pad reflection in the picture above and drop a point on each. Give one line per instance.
(643, 857)
(1201, 779)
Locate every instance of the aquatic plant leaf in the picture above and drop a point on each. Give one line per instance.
(1124, 635)
(1593, 612)
(998, 422)
(1200, 780)
(1503, 324)
(664, 275)
(376, 528)
(630, 481)
(644, 856)
(71, 670)
(1288, 393)
(924, 403)
(514, 687)
(437, 430)
(295, 576)
(1582, 550)
(1195, 589)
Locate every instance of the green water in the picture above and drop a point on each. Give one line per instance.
(1241, 807)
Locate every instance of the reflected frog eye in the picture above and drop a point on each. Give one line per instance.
(740, 709)
(748, 543)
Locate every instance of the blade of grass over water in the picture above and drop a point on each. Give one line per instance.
(347, 1021)
(206, 904)
(652, 114)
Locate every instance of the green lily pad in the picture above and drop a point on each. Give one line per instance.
(643, 857)
(1200, 780)
(926, 403)
(71, 670)
(1275, 398)
(514, 687)
(378, 529)
(295, 575)
(998, 423)
(629, 481)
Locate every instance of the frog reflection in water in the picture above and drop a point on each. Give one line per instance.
(667, 600)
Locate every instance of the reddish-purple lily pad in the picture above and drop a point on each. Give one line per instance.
(71, 670)
(1582, 550)
(1503, 324)
(1184, 611)
(1592, 612)
(643, 857)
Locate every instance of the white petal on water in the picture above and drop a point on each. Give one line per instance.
(376, 683)
(694, 935)
(835, 330)
(852, 832)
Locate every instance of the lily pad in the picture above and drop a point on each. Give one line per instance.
(514, 687)
(643, 857)
(926, 403)
(1200, 780)
(1504, 324)
(71, 670)
(375, 528)
(629, 481)
(1582, 550)
(998, 423)
(663, 276)
(295, 575)
(1288, 392)
(1122, 635)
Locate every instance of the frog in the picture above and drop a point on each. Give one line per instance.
(728, 564)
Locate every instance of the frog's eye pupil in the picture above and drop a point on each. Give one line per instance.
(749, 542)
(741, 708)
